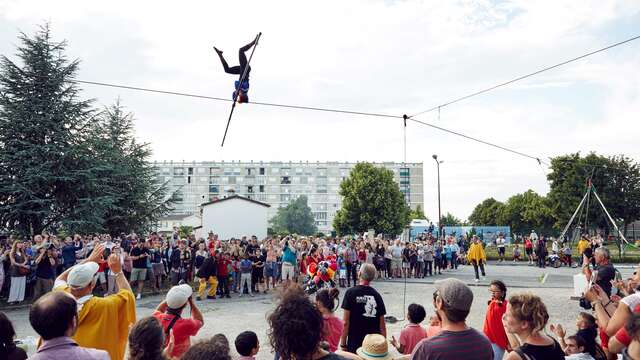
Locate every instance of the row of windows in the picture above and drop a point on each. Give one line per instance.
(251, 171)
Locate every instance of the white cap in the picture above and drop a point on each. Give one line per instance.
(82, 275)
(178, 296)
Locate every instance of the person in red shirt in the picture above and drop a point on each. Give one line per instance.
(223, 274)
(413, 332)
(169, 314)
(332, 325)
(493, 327)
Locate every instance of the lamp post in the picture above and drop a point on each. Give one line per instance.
(435, 158)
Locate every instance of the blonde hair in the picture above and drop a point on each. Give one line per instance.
(529, 308)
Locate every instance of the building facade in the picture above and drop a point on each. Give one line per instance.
(276, 183)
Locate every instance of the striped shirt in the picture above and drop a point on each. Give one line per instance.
(468, 344)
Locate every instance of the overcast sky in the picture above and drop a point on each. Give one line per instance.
(392, 57)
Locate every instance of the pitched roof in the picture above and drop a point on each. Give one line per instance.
(235, 197)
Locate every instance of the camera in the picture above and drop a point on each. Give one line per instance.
(585, 304)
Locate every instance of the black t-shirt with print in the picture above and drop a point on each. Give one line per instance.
(366, 307)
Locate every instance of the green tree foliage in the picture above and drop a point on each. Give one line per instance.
(417, 214)
(486, 213)
(616, 180)
(47, 176)
(527, 211)
(295, 218)
(449, 219)
(63, 166)
(371, 199)
(126, 172)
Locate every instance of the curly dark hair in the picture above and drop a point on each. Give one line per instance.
(216, 348)
(146, 340)
(295, 326)
(7, 333)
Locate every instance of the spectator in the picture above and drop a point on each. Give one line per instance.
(69, 252)
(527, 317)
(575, 349)
(18, 272)
(528, 249)
(45, 271)
(493, 327)
(413, 333)
(477, 257)
(288, 262)
(146, 340)
(139, 256)
(223, 275)
(500, 245)
(8, 348)
(247, 345)
(103, 323)
(541, 252)
(587, 332)
(246, 267)
(216, 348)
(296, 327)
(516, 253)
(333, 325)
(157, 266)
(452, 301)
(605, 270)
(374, 347)
(364, 311)
(169, 314)
(112, 287)
(435, 326)
(55, 318)
(208, 273)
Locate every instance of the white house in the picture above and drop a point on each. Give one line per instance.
(166, 224)
(234, 217)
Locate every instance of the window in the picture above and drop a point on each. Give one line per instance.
(261, 188)
(188, 179)
(404, 171)
(321, 189)
(214, 170)
(214, 189)
(250, 189)
(251, 171)
(303, 180)
(190, 171)
(275, 170)
(261, 171)
(322, 172)
(286, 171)
(232, 179)
(201, 170)
(178, 171)
(214, 179)
(285, 180)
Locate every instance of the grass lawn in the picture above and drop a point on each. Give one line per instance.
(631, 255)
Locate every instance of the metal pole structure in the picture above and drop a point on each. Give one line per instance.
(574, 214)
(435, 157)
(404, 117)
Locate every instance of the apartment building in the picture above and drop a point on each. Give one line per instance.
(276, 183)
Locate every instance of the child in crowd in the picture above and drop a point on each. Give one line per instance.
(516, 253)
(342, 267)
(326, 300)
(413, 332)
(434, 327)
(247, 345)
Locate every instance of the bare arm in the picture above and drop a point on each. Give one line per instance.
(383, 327)
(615, 346)
(162, 307)
(116, 267)
(345, 329)
(195, 312)
(619, 318)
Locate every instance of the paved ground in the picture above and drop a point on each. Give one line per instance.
(232, 316)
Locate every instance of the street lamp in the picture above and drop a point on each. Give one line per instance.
(435, 158)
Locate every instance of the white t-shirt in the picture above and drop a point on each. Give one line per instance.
(500, 242)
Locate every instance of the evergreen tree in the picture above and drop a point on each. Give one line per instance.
(47, 175)
(127, 174)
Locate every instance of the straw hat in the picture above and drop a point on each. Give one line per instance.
(374, 347)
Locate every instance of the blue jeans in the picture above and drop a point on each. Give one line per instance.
(498, 352)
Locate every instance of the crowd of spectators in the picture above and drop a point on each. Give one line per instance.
(86, 309)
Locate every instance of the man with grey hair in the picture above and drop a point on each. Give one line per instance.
(604, 270)
(364, 311)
